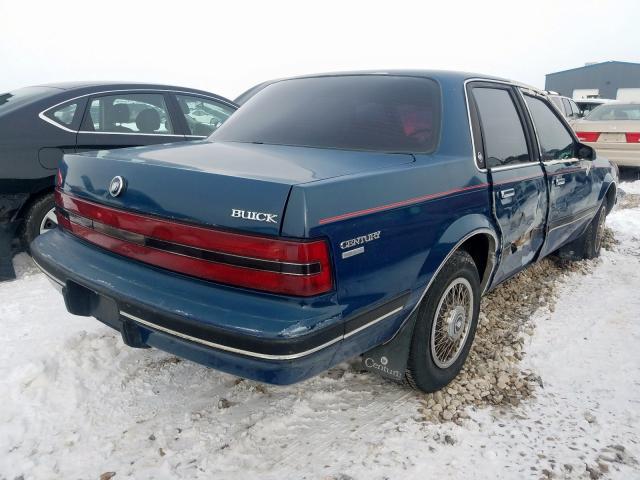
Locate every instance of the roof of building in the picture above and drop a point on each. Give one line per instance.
(590, 65)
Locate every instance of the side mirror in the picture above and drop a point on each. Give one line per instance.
(585, 152)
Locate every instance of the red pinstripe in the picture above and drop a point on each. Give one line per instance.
(401, 203)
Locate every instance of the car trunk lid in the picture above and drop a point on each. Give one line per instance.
(235, 186)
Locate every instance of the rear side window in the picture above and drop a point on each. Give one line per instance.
(567, 107)
(202, 115)
(574, 108)
(503, 135)
(615, 112)
(143, 113)
(556, 142)
(63, 114)
(353, 112)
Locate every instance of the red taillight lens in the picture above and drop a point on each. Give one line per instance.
(300, 268)
(633, 137)
(588, 136)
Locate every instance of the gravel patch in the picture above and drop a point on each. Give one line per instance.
(492, 375)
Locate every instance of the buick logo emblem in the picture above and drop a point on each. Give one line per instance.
(116, 187)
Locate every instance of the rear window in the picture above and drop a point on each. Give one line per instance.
(23, 96)
(615, 112)
(356, 112)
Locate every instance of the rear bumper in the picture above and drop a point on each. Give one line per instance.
(622, 154)
(262, 337)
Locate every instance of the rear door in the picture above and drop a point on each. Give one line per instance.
(127, 119)
(518, 186)
(569, 179)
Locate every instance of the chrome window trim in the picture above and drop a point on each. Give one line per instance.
(473, 140)
(513, 167)
(557, 162)
(141, 90)
(133, 133)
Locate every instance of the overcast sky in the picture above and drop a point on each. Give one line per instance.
(226, 47)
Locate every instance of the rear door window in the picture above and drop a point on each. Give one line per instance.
(65, 114)
(141, 113)
(502, 131)
(203, 115)
(556, 142)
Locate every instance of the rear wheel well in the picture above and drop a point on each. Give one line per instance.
(33, 198)
(482, 249)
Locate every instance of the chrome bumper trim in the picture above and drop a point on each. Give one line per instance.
(264, 356)
(57, 283)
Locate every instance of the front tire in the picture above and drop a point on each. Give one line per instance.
(445, 325)
(40, 218)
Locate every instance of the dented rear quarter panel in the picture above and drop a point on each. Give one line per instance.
(422, 210)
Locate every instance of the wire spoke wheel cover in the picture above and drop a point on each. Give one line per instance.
(49, 221)
(451, 323)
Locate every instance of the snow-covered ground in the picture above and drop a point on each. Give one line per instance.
(76, 403)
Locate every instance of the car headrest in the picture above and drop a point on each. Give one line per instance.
(148, 120)
(120, 113)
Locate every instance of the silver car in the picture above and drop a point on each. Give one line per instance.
(613, 130)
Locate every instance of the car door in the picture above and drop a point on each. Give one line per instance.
(127, 119)
(568, 178)
(200, 115)
(517, 179)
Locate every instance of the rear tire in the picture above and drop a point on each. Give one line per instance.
(595, 233)
(589, 244)
(39, 218)
(445, 325)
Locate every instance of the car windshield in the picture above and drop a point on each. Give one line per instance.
(17, 98)
(352, 112)
(615, 112)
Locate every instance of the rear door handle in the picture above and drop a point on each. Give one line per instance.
(509, 192)
(559, 180)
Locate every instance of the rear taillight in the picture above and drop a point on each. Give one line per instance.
(633, 137)
(588, 136)
(289, 267)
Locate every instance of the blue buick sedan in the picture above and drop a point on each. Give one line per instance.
(331, 216)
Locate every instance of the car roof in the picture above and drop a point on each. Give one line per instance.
(84, 87)
(438, 75)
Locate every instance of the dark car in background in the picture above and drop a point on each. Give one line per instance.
(39, 124)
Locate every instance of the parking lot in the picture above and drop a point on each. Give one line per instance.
(562, 401)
